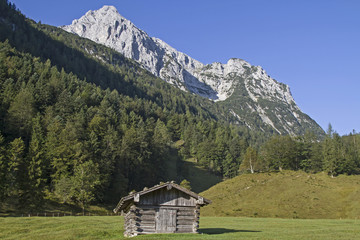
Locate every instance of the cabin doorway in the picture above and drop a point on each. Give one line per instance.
(165, 220)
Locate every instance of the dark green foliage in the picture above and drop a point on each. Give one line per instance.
(84, 182)
(3, 168)
(282, 152)
(77, 129)
(16, 174)
(334, 155)
(338, 157)
(53, 122)
(82, 124)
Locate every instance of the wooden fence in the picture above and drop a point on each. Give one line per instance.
(60, 214)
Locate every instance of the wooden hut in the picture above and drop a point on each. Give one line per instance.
(164, 208)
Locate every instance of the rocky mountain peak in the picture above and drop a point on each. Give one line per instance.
(247, 89)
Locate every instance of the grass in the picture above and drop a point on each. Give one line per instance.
(211, 228)
(61, 228)
(286, 194)
(9, 208)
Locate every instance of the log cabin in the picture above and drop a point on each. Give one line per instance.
(164, 208)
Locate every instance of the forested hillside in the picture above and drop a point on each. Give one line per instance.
(80, 123)
(79, 129)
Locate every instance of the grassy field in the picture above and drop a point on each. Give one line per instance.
(286, 194)
(211, 228)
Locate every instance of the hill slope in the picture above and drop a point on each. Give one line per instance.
(285, 194)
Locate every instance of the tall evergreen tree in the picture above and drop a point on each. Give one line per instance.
(38, 165)
(3, 168)
(17, 171)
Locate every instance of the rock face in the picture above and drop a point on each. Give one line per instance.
(248, 93)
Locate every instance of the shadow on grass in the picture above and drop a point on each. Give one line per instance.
(222, 230)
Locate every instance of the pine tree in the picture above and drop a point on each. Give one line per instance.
(21, 113)
(17, 171)
(37, 166)
(230, 166)
(3, 168)
(333, 153)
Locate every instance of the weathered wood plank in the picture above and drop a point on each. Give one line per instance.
(145, 214)
(156, 207)
(147, 211)
(185, 230)
(185, 213)
(184, 226)
(186, 218)
(150, 223)
(146, 228)
(144, 217)
(184, 222)
(166, 220)
(146, 231)
(146, 222)
(171, 197)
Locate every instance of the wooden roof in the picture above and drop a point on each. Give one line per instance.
(127, 200)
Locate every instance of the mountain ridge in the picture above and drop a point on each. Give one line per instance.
(268, 102)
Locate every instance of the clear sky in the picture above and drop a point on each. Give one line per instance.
(311, 45)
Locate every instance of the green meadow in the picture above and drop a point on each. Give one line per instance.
(286, 194)
(210, 227)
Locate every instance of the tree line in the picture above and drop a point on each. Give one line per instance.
(76, 129)
(65, 139)
(333, 154)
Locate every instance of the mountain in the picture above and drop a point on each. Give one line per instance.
(247, 92)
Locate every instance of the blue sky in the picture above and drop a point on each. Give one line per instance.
(311, 45)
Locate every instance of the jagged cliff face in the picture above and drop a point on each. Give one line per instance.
(251, 96)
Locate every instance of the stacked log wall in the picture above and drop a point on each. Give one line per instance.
(139, 221)
(185, 220)
(130, 222)
(145, 221)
